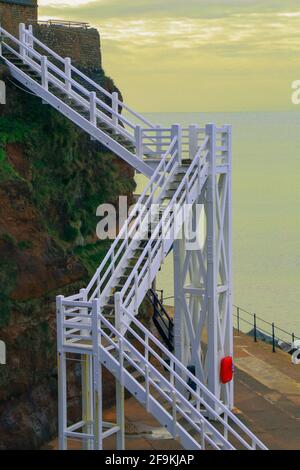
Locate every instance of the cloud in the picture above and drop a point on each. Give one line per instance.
(158, 45)
(185, 24)
(290, 14)
(264, 32)
(146, 8)
(62, 4)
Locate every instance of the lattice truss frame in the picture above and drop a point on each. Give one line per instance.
(203, 277)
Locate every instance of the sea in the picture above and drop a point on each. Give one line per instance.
(266, 212)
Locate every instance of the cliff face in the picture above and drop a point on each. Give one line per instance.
(52, 179)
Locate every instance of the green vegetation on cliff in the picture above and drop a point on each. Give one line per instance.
(65, 177)
(52, 179)
(70, 175)
(91, 254)
(11, 132)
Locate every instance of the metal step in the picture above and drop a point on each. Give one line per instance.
(170, 193)
(108, 307)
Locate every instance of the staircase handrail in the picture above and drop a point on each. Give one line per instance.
(167, 212)
(74, 85)
(162, 319)
(228, 414)
(153, 372)
(161, 305)
(29, 34)
(185, 372)
(141, 208)
(174, 366)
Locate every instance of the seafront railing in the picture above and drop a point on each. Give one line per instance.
(254, 325)
(261, 329)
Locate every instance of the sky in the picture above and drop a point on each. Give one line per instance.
(195, 55)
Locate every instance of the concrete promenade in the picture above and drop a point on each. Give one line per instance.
(267, 399)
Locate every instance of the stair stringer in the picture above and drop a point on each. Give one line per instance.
(121, 267)
(79, 120)
(137, 391)
(160, 256)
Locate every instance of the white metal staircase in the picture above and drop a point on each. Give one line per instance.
(99, 324)
(63, 86)
(101, 321)
(146, 238)
(166, 388)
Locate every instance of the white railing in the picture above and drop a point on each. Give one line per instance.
(155, 141)
(190, 404)
(196, 173)
(95, 103)
(65, 23)
(51, 74)
(104, 278)
(119, 253)
(72, 75)
(75, 323)
(137, 217)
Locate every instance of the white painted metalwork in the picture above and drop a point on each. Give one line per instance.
(2, 92)
(57, 82)
(203, 305)
(197, 409)
(183, 412)
(2, 353)
(186, 166)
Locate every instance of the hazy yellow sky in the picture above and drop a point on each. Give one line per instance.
(195, 55)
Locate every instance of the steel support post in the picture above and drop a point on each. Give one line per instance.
(62, 376)
(218, 209)
(213, 354)
(120, 403)
(227, 181)
(180, 344)
(203, 275)
(97, 379)
(195, 290)
(189, 287)
(87, 386)
(87, 398)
